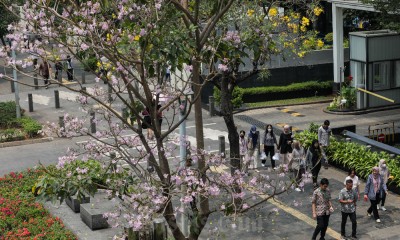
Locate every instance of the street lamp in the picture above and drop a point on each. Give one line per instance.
(182, 149)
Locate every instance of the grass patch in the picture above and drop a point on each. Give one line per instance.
(289, 101)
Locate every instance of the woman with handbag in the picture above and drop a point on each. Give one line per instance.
(373, 191)
(285, 146)
(243, 150)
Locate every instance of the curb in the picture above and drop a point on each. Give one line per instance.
(26, 142)
(362, 111)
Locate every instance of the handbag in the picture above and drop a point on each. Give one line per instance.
(263, 156)
(276, 157)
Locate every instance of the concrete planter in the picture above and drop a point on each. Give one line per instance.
(74, 203)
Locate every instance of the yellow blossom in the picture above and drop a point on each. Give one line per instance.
(108, 37)
(320, 43)
(318, 11)
(305, 21)
(98, 64)
(301, 54)
(137, 37)
(303, 28)
(286, 19)
(273, 12)
(250, 12)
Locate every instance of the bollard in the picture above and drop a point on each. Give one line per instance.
(83, 78)
(57, 98)
(211, 104)
(159, 229)
(35, 81)
(109, 93)
(92, 122)
(61, 124)
(221, 140)
(30, 102)
(12, 86)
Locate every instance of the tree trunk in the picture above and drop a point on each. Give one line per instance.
(227, 113)
(171, 221)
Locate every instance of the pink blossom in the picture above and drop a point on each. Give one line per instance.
(223, 67)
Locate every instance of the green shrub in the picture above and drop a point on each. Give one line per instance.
(11, 134)
(329, 37)
(7, 113)
(237, 96)
(311, 85)
(30, 126)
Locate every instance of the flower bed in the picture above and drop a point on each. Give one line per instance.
(23, 218)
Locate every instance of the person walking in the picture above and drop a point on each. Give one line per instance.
(58, 67)
(243, 150)
(373, 191)
(356, 182)
(285, 146)
(269, 142)
(348, 202)
(324, 133)
(298, 156)
(146, 124)
(252, 149)
(70, 69)
(384, 172)
(45, 71)
(321, 208)
(313, 158)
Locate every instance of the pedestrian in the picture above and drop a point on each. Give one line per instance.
(384, 172)
(321, 208)
(168, 74)
(373, 191)
(243, 150)
(313, 159)
(324, 132)
(146, 124)
(298, 156)
(252, 147)
(285, 146)
(356, 182)
(70, 69)
(348, 201)
(58, 67)
(269, 142)
(45, 71)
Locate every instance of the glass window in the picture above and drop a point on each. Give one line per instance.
(397, 73)
(358, 73)
(381, 75)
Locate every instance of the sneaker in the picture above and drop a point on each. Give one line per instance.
(257, 170)
(297, 189)
(377, 207)
(378, 220)
(342, 238)
(369, 214)
(383, 208)
(263, 165)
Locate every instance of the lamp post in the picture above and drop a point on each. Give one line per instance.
(18, 108)
(182, 156)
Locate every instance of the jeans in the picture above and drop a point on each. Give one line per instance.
(271, 151)
(315, 171)
(383, 199)
(374, 206)
(322, 225)
(353, 223)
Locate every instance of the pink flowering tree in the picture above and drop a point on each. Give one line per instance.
(131, 43)
(259, 32)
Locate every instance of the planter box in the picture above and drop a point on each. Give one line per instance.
(92, 214)
(74, 203)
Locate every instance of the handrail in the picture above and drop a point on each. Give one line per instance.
(376, 95)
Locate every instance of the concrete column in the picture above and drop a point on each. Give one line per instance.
(221, 140)
(338, 52)
(57, 99)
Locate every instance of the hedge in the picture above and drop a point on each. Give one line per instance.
(306, 89)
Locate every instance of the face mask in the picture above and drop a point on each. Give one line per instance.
(383, 165)
(241, 135)
(254, 132)
(269, 129)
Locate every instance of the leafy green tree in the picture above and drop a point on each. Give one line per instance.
(389, 16)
